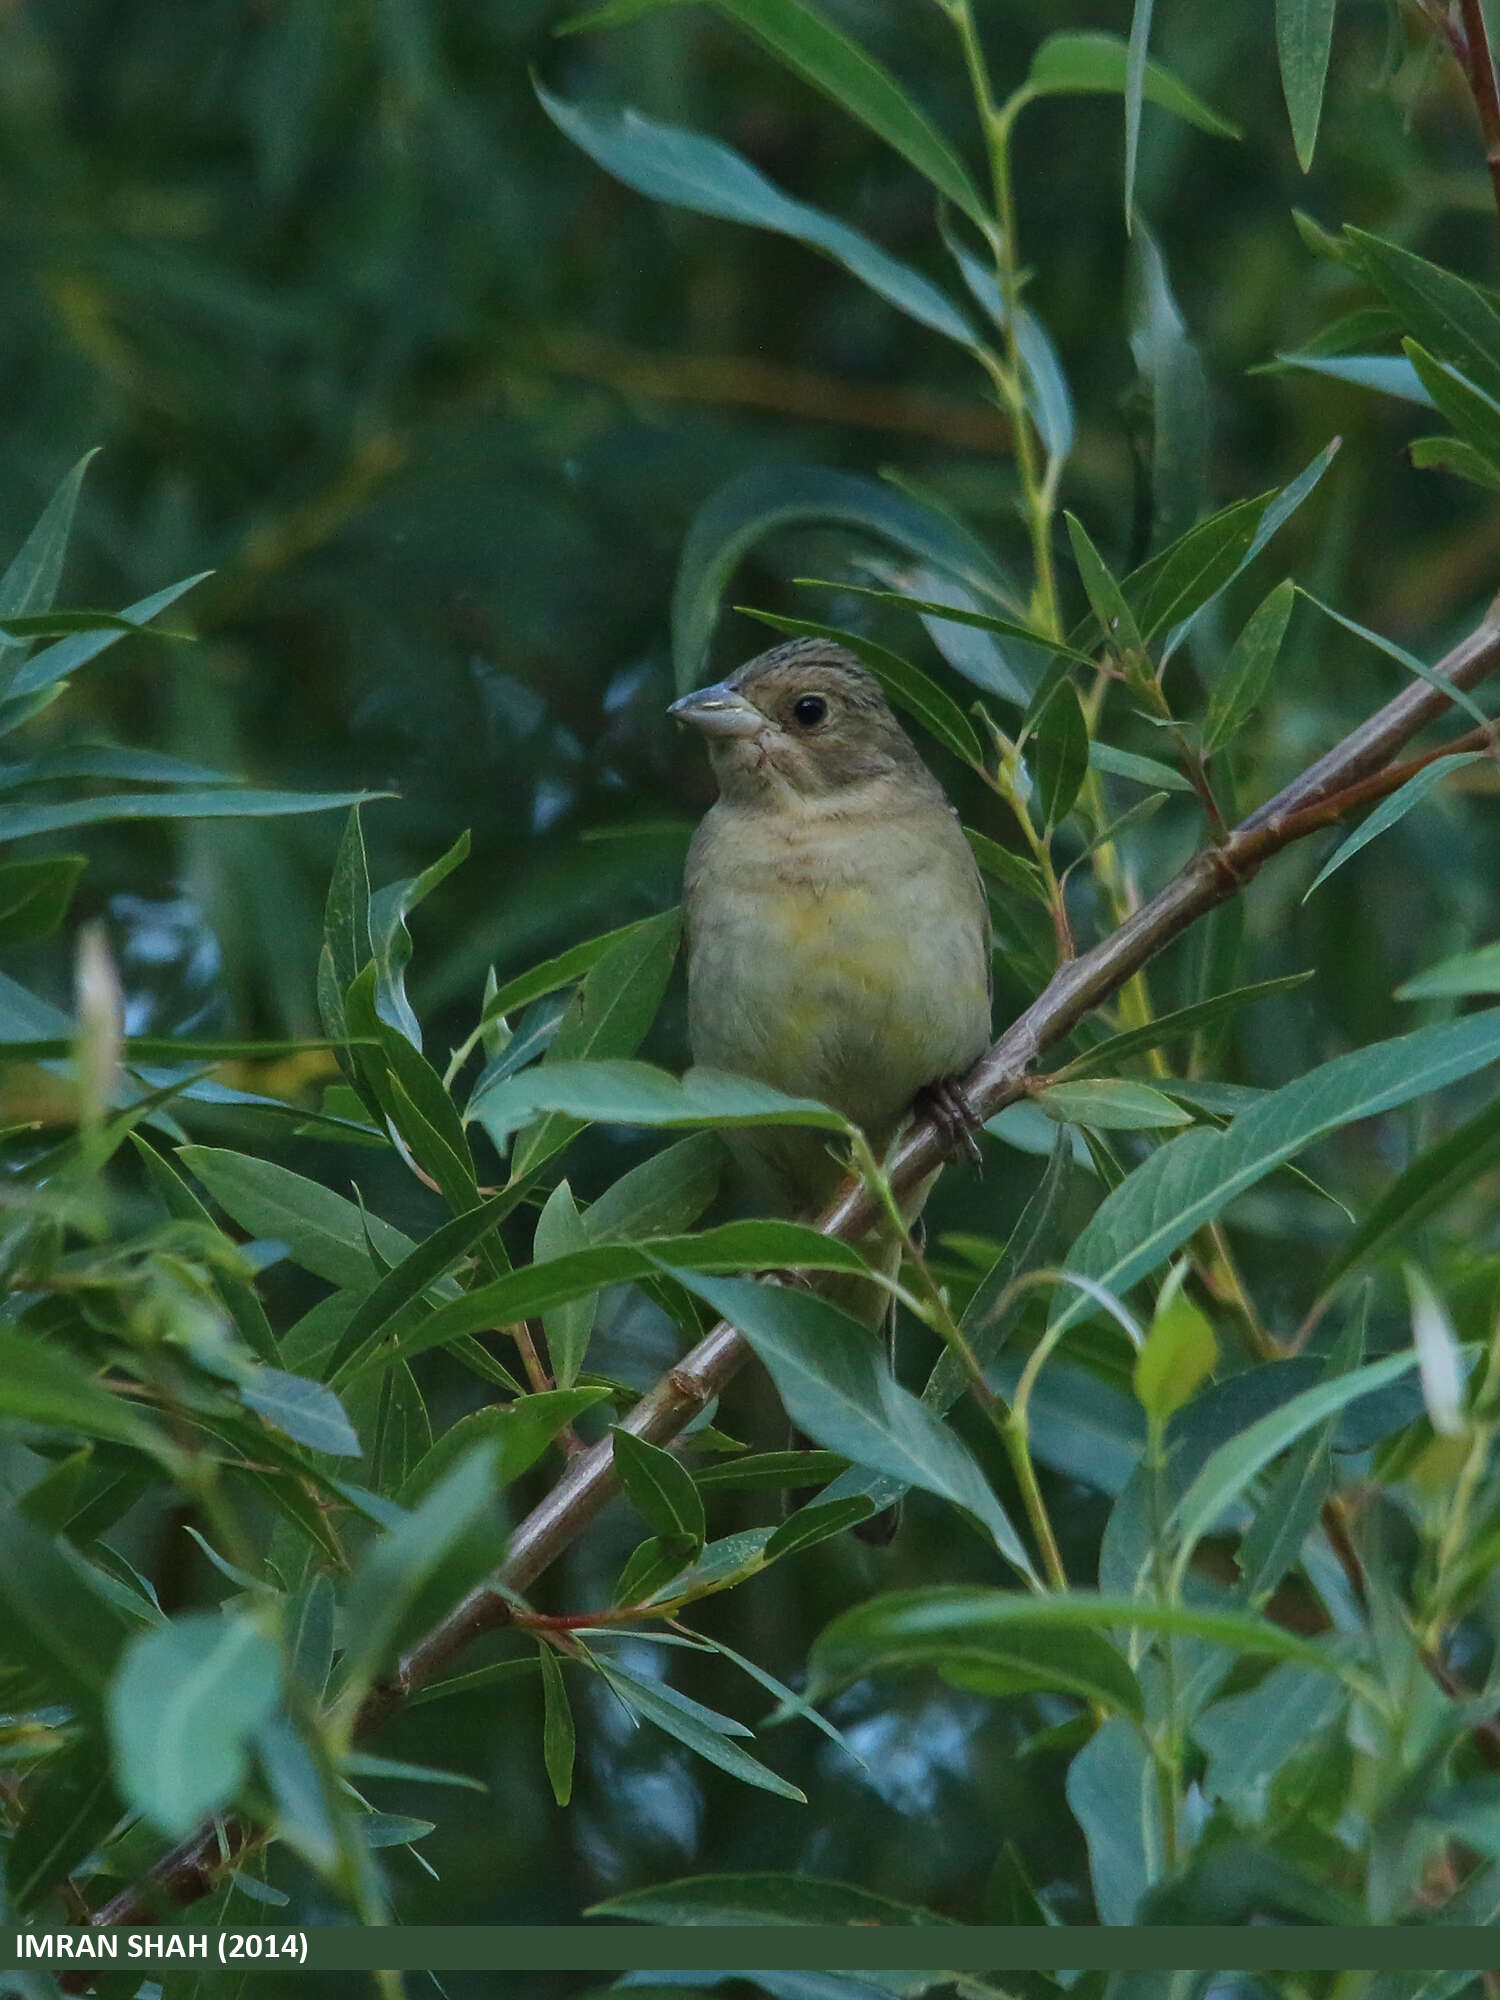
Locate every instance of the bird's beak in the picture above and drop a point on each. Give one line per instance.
(719, 711)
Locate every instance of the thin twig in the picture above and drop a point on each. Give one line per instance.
(1350, 775)
(1479, 67)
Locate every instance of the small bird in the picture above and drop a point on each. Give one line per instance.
(838, 931)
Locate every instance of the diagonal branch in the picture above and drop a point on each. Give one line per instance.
(1350, 776)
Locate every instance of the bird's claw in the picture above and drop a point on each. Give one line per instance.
(947, 1104)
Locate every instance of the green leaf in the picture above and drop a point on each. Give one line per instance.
(941, 1626)
(1386, 374)
(733, 1246)
(1076, 64)
(818, 1521)
(558, 1738)
(43, 1384)
(1135, 88)
(1229, 1471)
(1002, 865)
(696, 1727)
(391, 941)
(1190, 1180)
(776, 1469)
(1473, 414)
(837, 1386)
(1389, 811)
(936, 608)
(1176, 1026)
(1241, 686)
(1057, 751)
(1451, 454)
(412, 1095)
(1177, 1358)
(1110, 1104)
(690, 171)
(760, 1898)
(30, 583)
(308, 1411)
(1140, 770)
(905, 686)
(635, 1093)
(616, 1005)
(557, 972)
(1465, 973)
(323, 1233)
(1115, 1796)
(559, 1231)
(17, 822)
(34, 895)
(1106, 599)
(662, 1196)
(661, 1490)
(397, 1565)
(1304, 36)
(1450, 1168)
(1182, 577)
(518, 1433)
(184, 1704)
(770, 498)
(1172, 374)
(1453, 319)
(44, 670)
(814, 49)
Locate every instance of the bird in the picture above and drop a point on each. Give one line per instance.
(838, 932)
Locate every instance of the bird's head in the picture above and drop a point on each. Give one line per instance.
(805, 718)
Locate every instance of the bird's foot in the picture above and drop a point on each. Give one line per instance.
(948, 1105)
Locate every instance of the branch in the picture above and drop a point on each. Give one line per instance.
(1352, 775)
(1479, 68)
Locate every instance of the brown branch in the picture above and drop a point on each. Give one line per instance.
(1479, 68)
(1351, 775)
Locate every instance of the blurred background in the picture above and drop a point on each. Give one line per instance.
(437, 402)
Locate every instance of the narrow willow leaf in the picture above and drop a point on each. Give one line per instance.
(324, 1233)
(1057, 751)
(770, 498)
(814, 49)
(690, 171)
(1304, 36)
(937, 1626)
(760, 1898)
(661, 1490)
(1174, 1027)
(1135, 85)
(34, 895)
(30, 583)
(1182, 577)
(1390, 811)
(16, 822)
(1172, 374)
(1241, 686)
(1006, 628)
(635, 1093)
(1107, 600)
(1386, 374)
(518, 1433)
(1445, 1171)
(308, 1411)
(1412, 664)
(1140, 770)
(837, 1387)
(1073, 64)
(1453, 319)
(557, 972)
(391, 941)
(559, 1231)
(1465, 973)
(906, 687)
(733, 1246)
(1110, 1104)
(1230, 1470)
(42, 673)
(68, 1810)
(1114, 1795)
(558, 1738)
(1451, 454)
(1473, 414)
(1009, 869)
(684, 1720)
(1192, 1179)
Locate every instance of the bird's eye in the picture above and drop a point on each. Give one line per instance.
(808, 710)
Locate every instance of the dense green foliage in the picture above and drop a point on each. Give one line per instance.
(482, 415)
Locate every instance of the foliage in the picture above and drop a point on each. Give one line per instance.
(1195, 1618)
